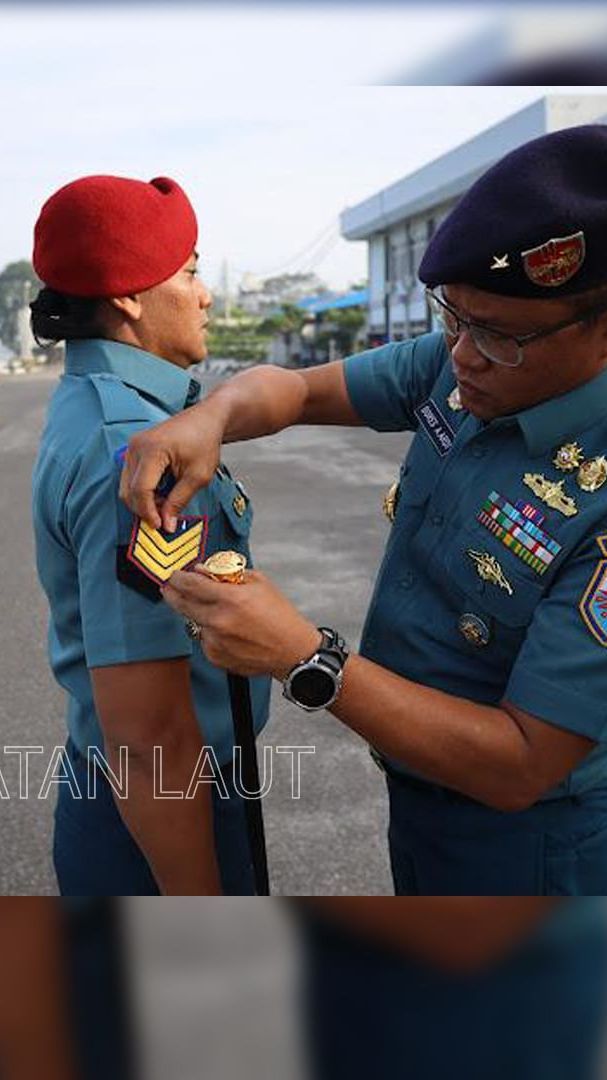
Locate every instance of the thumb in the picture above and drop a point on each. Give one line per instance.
(178, 499)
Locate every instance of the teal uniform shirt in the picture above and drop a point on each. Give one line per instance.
(543, 629)
(82, 530)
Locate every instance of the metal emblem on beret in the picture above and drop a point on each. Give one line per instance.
(454, 400)
(592, 474)
(239, 505)
(488, 568)
(568, 457)
(500, 262)
(474, 629)
(551, 492)
(556, 261)
(390, 503)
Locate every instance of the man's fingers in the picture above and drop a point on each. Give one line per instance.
(179, 497)
(138, 484)
(197, 587)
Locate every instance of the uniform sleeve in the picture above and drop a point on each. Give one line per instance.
(119, 624)
(387, 384)
(560, 674)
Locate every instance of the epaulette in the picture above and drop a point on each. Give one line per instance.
(119, 403)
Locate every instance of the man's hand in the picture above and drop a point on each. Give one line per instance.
(258, 402)
(250, 629)
(188, 446)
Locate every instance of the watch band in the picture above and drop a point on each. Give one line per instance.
(330, 657)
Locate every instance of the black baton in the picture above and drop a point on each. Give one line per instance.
(244, 737)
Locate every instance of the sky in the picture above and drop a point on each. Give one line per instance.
(272, 118)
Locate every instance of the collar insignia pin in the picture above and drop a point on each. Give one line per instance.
(500, 262)
(551, 492)
(454, 400)
(592, 474)
(390, 503)
(568, 457)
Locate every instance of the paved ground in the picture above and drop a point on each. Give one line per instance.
(319, 533)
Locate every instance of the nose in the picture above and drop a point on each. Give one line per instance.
(465, 355)
(205, 298)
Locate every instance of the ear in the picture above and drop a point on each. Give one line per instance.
(129, 307)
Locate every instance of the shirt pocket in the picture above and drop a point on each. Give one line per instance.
(510, 605)
(230, 522)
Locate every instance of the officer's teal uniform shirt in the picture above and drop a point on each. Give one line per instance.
(109, 392)
(542, 656)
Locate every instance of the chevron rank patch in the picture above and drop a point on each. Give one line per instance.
(593, 605)
(518, 529)
(158, 554)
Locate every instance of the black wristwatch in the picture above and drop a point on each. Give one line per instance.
(315, 683)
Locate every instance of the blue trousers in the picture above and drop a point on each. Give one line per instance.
(95, 855)
(444, 844)
(538, 1014)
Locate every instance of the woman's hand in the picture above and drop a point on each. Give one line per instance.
(250, 629)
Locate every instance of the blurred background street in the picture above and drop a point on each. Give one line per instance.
(318, 532)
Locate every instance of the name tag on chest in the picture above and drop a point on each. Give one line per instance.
(436, 427)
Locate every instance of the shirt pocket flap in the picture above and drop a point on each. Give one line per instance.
(513, 590)
(236, 505)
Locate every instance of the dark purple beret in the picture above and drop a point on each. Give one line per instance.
(534, 225)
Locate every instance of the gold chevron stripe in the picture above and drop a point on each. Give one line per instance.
(163, 557)
(163, 572)
(167, 546)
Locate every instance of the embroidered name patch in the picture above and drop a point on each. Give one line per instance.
(518, 530)
(158, 554)
(593, 605)
(437, 428)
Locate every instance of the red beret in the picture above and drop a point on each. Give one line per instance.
(109, 236)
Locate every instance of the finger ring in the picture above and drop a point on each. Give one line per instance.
(193, 630)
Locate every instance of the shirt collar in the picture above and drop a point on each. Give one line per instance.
(552, 422)
(166, 383)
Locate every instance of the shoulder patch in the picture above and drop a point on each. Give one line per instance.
(593, 605)
(158, 554)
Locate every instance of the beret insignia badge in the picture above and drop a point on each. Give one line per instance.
(556, 261)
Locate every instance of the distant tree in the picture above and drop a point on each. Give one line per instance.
(287, 321)
(13, 280)
(343, 325)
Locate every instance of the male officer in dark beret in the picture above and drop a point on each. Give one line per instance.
(481, 678)
(118, 260)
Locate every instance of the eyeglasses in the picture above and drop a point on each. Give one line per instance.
(499, 348)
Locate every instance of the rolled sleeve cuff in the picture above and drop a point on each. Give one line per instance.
(373, 397)
(557, 704)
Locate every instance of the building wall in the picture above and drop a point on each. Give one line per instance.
(399, 221)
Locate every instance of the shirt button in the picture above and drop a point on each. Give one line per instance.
(407, 580)
(437, 519)
(478, 451)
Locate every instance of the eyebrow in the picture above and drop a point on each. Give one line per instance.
(491, 324)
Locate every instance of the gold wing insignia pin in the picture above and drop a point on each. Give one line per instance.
(551, 492)
(489, 569)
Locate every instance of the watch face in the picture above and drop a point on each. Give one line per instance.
(313, 687)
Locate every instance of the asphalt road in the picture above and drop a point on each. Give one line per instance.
(319, 533)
